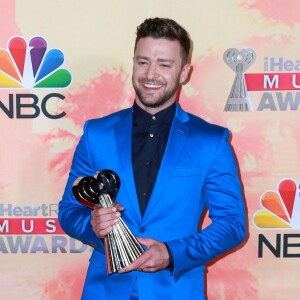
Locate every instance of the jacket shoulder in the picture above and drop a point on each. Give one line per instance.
(196, 124)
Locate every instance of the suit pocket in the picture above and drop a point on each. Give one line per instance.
(187, 172)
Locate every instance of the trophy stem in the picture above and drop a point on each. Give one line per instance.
(122, 247)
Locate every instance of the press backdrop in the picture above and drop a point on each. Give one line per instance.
(40, 128)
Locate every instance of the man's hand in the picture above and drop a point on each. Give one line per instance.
(103, 219)
(155, 257)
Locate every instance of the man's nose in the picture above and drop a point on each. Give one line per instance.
(151, 72)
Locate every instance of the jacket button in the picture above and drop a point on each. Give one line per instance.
(142, 230)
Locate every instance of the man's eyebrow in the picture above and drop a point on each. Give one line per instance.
(142, 57)
(159, 59)
(166, 60)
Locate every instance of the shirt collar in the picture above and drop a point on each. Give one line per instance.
(143, 118)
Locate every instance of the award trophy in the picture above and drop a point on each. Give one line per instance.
(121, 246)
(239, 61)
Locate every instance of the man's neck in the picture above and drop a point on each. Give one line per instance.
(154, 110)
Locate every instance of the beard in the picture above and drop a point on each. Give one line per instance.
(150, 101)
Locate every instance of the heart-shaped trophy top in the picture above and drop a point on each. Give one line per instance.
(88, 190)
(239, 61)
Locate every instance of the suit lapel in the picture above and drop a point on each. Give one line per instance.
(123, 132)
(176, 141)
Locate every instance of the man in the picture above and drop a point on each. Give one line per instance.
(172, 166)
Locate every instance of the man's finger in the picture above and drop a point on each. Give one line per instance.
(118, 206)
(145, 241)
(136, 265)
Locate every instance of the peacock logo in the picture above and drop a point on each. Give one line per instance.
(30, 65)
(281, 208)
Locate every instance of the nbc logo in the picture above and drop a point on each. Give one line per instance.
(31, 66)
(281, 208)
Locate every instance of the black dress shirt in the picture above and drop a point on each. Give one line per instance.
(149, 139)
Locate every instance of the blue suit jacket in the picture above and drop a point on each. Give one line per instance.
(198, 171)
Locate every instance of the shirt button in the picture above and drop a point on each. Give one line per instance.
(147, 164)
(142, 230)
(153, 118)
(151, 135)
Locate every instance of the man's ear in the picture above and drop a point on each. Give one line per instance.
(185, 73)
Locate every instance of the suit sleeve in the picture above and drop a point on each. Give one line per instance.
(74, 218)
(223, 197)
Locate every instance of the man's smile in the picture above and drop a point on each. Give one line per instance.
(152, 86)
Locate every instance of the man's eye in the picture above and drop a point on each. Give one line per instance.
(165, 66)
(142, 62)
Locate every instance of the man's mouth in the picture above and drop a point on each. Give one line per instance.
(152, 86)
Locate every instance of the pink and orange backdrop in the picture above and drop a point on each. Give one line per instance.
(96, 38)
